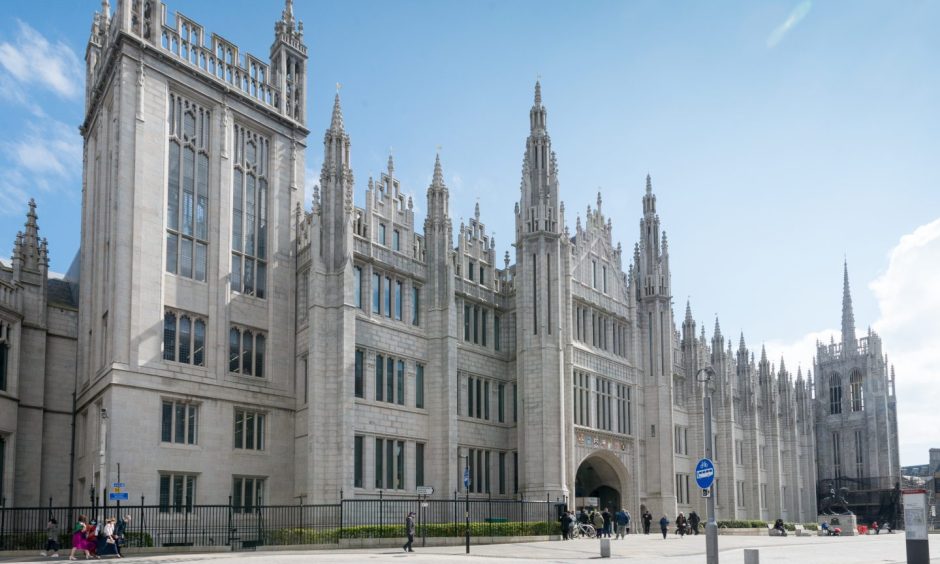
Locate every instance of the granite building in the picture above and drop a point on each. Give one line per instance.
(232, 341)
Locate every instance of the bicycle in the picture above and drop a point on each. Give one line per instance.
(583, 530)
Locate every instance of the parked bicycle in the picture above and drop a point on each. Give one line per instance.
(583, 530)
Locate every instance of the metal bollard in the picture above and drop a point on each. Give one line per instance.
(605, 548)
(751, 556)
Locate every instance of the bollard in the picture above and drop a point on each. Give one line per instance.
(751, 556)
(605, 548)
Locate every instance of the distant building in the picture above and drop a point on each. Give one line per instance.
(231, 343)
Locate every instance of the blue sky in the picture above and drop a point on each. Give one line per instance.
(782, 137)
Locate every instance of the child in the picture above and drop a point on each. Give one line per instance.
(52, 539)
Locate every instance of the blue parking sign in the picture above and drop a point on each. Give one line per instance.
(466, 477)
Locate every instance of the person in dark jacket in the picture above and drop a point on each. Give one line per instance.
(681, 524)
(622, 520)
(607, 521)
(664, 526)
(694, 520)
(565, 520)
(647, 521)
(410, 531)
(120, 532)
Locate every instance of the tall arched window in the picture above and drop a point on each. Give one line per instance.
(857, 390)
(835, 394)
(250, 213)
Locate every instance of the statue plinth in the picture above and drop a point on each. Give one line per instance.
(847, 523)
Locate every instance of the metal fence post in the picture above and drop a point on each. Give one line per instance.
(231, 529)
(3, 515)
(140, 527)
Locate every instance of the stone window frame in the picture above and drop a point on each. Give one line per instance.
(240, 432)
(250, 195)
(168, 502)
(256, 366)
(240, 485)
(195, 320)
(190, 416)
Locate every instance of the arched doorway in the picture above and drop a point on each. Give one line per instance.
(602, 477)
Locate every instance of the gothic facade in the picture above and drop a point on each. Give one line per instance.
(232, 342)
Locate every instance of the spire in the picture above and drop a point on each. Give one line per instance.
(649, 184)
(763, 354)
(741, 346)
(538, 94)
(30, 252)
(438, 179)
(783, 367)
(717, 327)
(848, 317)
(336, 123)
(649, 199)
(391, 165)
(688, 311)
(287, 16)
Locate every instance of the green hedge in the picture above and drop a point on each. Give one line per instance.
(138, 539)
(322, 536)
(744, 524)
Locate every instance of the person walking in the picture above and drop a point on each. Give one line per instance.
(694, 520)
(621, 520)
(598, 521)
(410, 531)
(629, 519)
(664, 526)
(52, 539)
(647, 521)
(107, 544)
(120, 532)
(565, 521)
(681, 524)
(79, 542)
(608, 521)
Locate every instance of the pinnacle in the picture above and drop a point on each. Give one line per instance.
(438, 178)
(742, 346)
(336, 124)
(783, 367)
(649, 184)
(763, 354)
(538, 93)
(391, 165)
(717, 327)
(688, 310)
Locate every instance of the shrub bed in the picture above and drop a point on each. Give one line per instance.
(743, 524)
(322, 536)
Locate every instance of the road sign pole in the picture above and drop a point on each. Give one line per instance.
(711, 527)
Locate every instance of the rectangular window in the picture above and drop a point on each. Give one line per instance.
(357, 461)
(398, 299)
(249, 213)
(514, 403)
(502, 473)
(466, 323)
(738, 452)
(486, 400)
(470, 268)
(390, 380)
(379, 455)
(396, 240)
(376, 292)
(387, 296)
(177, 493)
(740, 492)
(359, 387)
(187, 189)
(415, 305)
(306, 378)
(501, 402)
(479, 394)
(178, 423)
(486, 472)
(476, 325)
(389, 463)
(419, 386)
(469, 397)
(247, 494)
(247, 352)
(399, 465)
(381, 233)
(379, 377)
(184, 338)
(483, 327)
(4, 363)
(357, 286)
(515, 472)
(401, 382)
(496, 332)
(836, 456)
(594, 274)
(419, 464)
(482, 279)
(604, 272)
(249, 430)
(859, 457)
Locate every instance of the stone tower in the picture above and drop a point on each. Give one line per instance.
(656, 333)
(856, 411)
(541, 321)
(193, 162)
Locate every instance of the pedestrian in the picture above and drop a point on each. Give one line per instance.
(583, 517)
(874, 526)
(410, 531)
(664, 526)
(694, 520)
(52, 539)
(598, 521)
(621, 520)
(565, 521)
(120, 532)
(91, 537)
(79, 542)
(608, 521)
(647, 521)
(681, 524)
(629, 519)
(572, 525)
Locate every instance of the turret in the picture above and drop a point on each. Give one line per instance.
(289, 64)
(336, 184)
(538, 204)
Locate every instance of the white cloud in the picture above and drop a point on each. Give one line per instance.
(47, 158)
(910, 307)
(795, 17)
(798, 353)
(32, 60)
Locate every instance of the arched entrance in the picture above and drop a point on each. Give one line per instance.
(602, 476)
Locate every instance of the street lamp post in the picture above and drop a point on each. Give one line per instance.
(711, 527)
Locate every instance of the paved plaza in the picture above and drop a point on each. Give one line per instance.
(803, 550)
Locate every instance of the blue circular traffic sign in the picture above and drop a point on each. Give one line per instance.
(704, 473)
